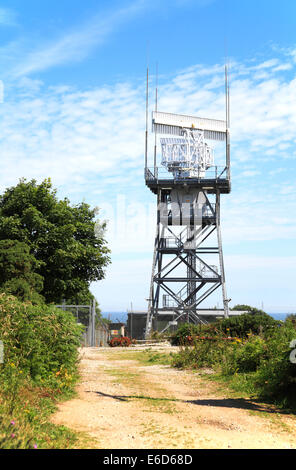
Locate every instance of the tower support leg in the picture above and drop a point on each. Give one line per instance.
(221, 260)
(182, 276)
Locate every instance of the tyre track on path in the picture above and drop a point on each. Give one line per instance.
(122, 404)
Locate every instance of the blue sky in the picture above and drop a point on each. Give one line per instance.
(73, 76)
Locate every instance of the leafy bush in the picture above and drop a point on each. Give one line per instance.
(122, 341)
(248, 309)
(157, 335)
(180, 337)
(291, 320)
(241, 325)
(244, 356)
(204, 353)
(257, 363)
(276, 375)
(39, 340)
(40, 364)
(251, 354)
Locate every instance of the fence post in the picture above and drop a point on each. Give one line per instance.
(93, 324)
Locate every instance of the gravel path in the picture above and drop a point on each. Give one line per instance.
(122, 404)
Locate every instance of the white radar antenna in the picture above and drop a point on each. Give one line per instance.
(187, 156)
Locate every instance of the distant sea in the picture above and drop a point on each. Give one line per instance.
(122, 316)
(279, 316)
(115, 316)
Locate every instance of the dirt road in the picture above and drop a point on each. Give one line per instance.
(126, 404)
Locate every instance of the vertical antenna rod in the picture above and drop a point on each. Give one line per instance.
(227, 122)
(146, 132)
(156, 99)
(226, 96)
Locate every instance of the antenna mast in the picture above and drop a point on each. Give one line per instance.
(156, 103)
(227, 122)
(146, 131)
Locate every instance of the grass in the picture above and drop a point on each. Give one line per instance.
(125, 375)
(238, 385)
(26, 409)
(162, 405)
(146, 357)
(163, 434)
(241, 386)
(122, 375)
(26, 422)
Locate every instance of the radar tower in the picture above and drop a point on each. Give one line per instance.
(188, 186)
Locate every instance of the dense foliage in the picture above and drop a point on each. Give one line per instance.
(248, 323)
(185, 330)
(49, 251)
(256, 360)
(17, 271)
(39, 340)
(40, 364)
(248, 309)
(62, 251)
(238, 326)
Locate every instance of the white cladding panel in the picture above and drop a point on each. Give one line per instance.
(184, 204)
(164, 121)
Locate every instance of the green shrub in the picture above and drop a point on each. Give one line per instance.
(241, 325)
(40, 341)
(184, 330)
(251, 354)
(40, 365)
(204, 353)
(291, 320)
(276, 375)
(248, 309)
(244, 356)
(258, 364)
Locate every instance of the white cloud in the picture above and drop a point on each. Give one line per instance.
(71, 134)
(266, 64)
(47, 131)
(282, 67)
(247, 173)
(72, 46)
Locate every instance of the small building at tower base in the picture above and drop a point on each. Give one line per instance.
(136, 321)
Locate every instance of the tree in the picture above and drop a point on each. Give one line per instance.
(249, 309)
(291, 318)
(241, 325)
(60, 237)
(17, 274)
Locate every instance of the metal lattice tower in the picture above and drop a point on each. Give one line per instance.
(188, 186)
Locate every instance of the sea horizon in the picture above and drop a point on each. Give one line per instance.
(121, 316)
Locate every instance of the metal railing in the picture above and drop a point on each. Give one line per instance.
(168, 301)
(161, 173)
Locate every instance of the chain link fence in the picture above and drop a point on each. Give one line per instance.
(96, 333)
